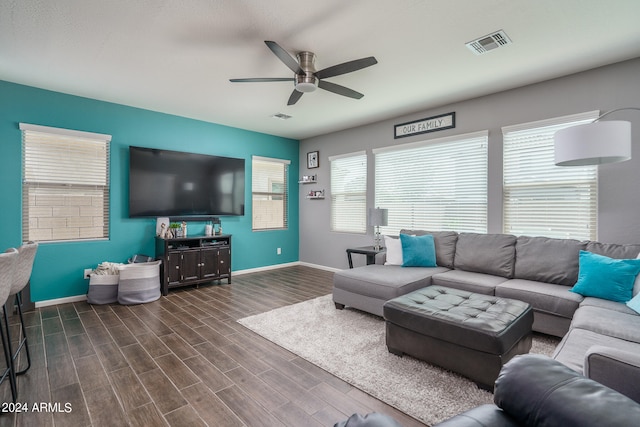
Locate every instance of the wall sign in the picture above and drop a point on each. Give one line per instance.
(430, 124)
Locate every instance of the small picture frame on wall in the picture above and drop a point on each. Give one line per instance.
(313, 160)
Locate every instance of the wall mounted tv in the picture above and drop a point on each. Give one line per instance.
(165, 183)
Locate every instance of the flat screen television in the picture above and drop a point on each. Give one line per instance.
(164, 183)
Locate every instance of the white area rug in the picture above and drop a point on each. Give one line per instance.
(351, 345)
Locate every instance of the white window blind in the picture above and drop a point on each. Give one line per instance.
(349, 192)
(65, 184)
(540, 198)
(269, 193)
(438, 184)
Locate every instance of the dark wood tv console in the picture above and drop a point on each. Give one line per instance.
(194, 260)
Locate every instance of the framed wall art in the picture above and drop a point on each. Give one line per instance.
(313, 160)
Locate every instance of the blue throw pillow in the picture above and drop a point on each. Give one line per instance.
(418, 251)
(634, 304)
(607, 278)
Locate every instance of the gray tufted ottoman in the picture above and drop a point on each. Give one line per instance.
(467, 333)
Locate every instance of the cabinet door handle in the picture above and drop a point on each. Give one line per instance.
(221, 261)
(177, 267)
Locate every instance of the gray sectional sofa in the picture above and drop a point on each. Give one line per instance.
(601, 338)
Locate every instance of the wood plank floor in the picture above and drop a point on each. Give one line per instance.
(181, 361)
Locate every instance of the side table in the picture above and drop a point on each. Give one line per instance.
(369, 251)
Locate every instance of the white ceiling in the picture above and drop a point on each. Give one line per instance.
(177, 56)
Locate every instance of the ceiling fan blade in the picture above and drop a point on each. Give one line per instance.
(340, 90)
(346, 67)
(284, 56)
(295, 96)
(262, 79)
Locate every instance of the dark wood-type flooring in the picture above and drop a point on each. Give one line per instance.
(181, 361)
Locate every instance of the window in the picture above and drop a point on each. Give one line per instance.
(540, 198)
(439, 184)
(349, 192)
(65, 192)
(269, 193)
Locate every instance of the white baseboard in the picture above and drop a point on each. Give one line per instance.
(265, 268)
(320, 267)
(57, 301)
(78, 298)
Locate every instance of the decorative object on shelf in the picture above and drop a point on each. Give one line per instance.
(314, 194)
(308, 179)
(175, 230)
(430, 124)
(594, 143)
(378, 217)
(163, 230)
(184, 228)
(313, 159)
(159, 222)
(208, 230)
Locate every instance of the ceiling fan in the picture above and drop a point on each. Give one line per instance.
(306, 78)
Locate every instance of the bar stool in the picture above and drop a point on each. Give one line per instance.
(22, 276)
(8, 262)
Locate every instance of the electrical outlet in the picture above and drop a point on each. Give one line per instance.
(279, 251)
(87, 273)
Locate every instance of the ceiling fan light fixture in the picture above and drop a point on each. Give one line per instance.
(305, 76)
(306, 83)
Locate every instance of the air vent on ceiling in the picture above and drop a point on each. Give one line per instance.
(489, 42)
(281, 116)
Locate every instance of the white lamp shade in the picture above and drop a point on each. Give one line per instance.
(378, 217)
(593, 143)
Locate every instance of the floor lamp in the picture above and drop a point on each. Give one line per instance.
(594, 143)
(378, 217)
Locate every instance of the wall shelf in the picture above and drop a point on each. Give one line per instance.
(308, 179)
(315, 194)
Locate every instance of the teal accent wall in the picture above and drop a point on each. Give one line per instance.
(59, 266)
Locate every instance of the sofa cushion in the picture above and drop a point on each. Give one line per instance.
(469, 281)
(634, 303)
(608, 322)
(537, 391)
(445, 242)
(393, 250)
(486, 253)
(613, 250)
(418, 251)
(545, 297)
(607, 278)
(384, 281)
(606, 304)
(574, 346)
(544, 259)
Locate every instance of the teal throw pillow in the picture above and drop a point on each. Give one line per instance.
(634, 304)
(418, 251)
(607, 278)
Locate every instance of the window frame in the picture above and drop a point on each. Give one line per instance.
(271, 195)
(408, 192)
(342, 218)
(62, 186)
(540, 198)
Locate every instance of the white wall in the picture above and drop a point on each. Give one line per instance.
(603, 89)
